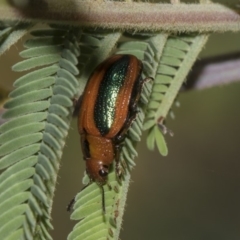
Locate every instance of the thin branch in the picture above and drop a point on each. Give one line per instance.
(137, 16)
(214, 71)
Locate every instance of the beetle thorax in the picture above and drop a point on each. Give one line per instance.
(99, 155)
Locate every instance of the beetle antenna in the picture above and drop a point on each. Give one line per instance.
(72, 202)
(70, 205)
(103, 200)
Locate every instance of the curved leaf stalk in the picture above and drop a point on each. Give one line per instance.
(179, 54)
(32, 139)
(93, 224)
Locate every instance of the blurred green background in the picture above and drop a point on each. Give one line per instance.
(194, 192)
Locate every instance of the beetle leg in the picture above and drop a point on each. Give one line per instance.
(103, 200)
(139, 91)
(125, 166)
(70, 205)
(72, 202)
(76, 106)
(120, 137)
(109, 186)
(133, 110)
(118, 167)
(163, 128)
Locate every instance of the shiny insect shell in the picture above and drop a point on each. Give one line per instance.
(107, 109)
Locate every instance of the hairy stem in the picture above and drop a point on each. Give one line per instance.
(129, 15)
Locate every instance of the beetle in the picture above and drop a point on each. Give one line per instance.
(107, 108)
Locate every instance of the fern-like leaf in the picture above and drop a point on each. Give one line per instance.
(179, 54)
(32, 139)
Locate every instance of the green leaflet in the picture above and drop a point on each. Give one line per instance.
(42, 83)
(17, 210)
(11, 226)
(37, 75)
(18, 155)
(32, 140)
(21, 131)
(36, 62)
(5, 31)
(19, 176)
(40, 51)
(15, 235)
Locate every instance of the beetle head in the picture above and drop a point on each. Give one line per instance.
(97, 171)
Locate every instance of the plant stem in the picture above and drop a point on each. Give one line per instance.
(129, 15)
(214, 71)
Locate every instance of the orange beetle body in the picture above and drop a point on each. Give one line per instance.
(107, 108)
